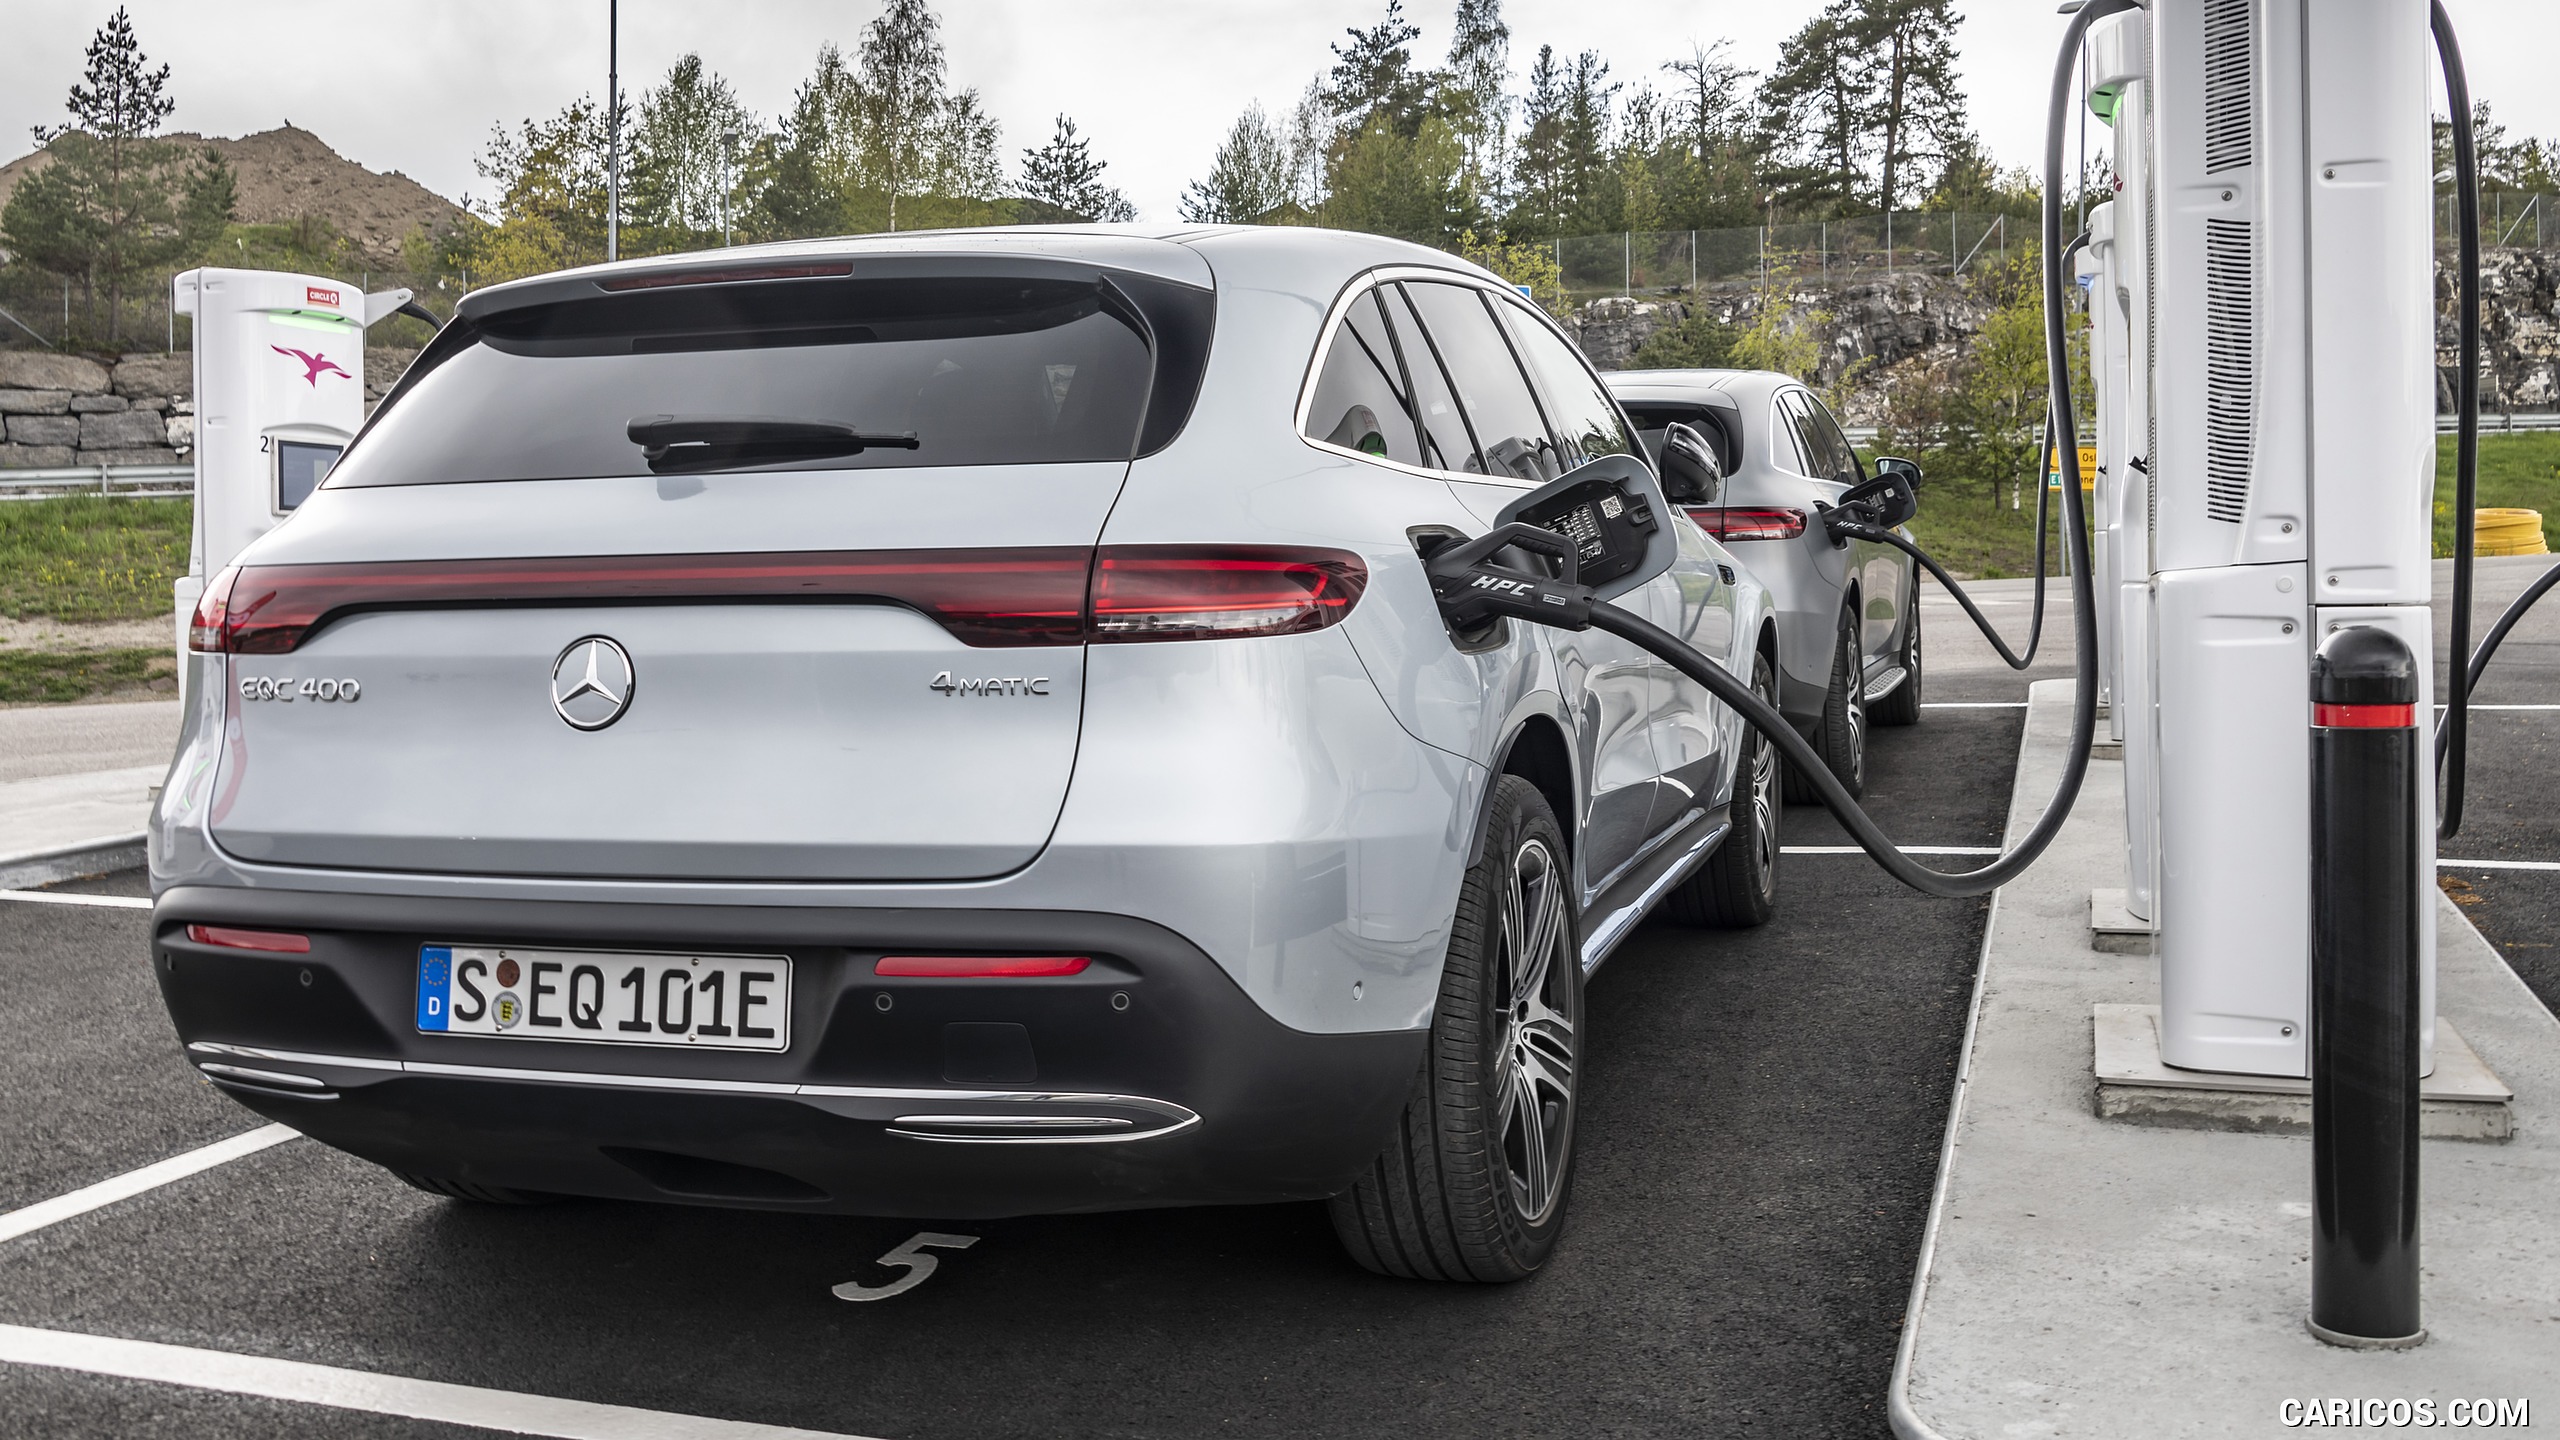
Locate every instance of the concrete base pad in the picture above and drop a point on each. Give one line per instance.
(2462, 1100)
(2082, 1277)
(2115, 930)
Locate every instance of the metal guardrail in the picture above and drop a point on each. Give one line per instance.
(2445, 425)
(107, 480)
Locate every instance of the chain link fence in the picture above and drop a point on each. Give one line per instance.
(40, 311)
(1824, 252)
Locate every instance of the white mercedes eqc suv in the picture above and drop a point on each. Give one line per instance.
(952, 725)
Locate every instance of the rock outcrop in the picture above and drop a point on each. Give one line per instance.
(1871, 332)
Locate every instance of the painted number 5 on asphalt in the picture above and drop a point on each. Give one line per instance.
(912, 1258)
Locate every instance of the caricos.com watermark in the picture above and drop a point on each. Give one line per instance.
(2337, 1413)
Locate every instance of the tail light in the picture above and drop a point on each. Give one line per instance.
(274, 941)
(206, 631)
(953, 967)
(1149, 592)
(1031, 595)
(1749, 522)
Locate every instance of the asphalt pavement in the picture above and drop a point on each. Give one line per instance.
(1762, 1115)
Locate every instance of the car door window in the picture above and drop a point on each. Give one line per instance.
(1446, 441)
(1586, 420)
(1841, 457)
(1508, 426)
(1360, 401)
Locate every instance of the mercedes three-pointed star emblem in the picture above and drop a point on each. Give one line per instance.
(591, 683)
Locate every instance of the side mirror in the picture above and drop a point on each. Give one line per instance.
(1896, 465)
(1614, 513)
(1691, 473)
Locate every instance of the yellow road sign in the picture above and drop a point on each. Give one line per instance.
(2088, 468)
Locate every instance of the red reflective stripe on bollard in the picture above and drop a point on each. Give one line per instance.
(2365, 717)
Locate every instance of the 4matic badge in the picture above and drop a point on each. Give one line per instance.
(992, 685)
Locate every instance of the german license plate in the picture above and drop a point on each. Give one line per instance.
(708, 1002)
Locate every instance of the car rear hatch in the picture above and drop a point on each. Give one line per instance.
(760, 572)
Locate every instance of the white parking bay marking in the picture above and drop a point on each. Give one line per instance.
(1906, 849)
(910, 1255)
(1973, 704)
(2444, 864)
(48, 897)
(338, 1389)
(134, 1182)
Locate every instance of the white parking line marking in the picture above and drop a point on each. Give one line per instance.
(363, 1390)
(918, 1265)
(134, 1182)
(2509, 707)
(2444, 864)
(1973, 704)
(1907, 850)
(48, 897)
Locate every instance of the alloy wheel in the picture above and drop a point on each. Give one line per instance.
(1534, 1064)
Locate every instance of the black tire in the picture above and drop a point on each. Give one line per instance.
(1840, 735)
(476, 1194)
(1474, 1185)
(1738, 886)
(1902, 707)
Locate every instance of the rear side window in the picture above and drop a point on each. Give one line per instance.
(1826, 450)
(928, 370)
(1360, 401)
(1587, 423)
(1508, 426)
(1447, 443)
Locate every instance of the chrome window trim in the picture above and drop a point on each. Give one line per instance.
(1360, 286)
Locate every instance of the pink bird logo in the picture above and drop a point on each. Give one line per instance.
(313, 366)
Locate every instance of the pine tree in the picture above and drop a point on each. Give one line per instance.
(1373, 77)
(105, 215)
(1589, 99)
(1252, 180)
(1474, 96)
(1917, 110)
(1814, 108)
(1062, 181)
(1540, 194)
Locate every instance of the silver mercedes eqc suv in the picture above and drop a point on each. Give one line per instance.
(951, 725)
(1847, 609)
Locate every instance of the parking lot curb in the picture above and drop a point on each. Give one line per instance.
(2080, 1277)
(103, 856)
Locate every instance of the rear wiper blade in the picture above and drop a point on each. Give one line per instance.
(710, 442)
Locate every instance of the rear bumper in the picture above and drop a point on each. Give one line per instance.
(1151, 1079)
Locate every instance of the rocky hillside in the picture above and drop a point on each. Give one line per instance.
(288, 173)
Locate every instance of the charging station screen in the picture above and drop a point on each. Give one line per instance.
(300, 467)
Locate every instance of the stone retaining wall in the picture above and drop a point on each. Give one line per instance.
(60, 409)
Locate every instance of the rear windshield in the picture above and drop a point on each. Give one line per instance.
(1654, 417)
(925, 371)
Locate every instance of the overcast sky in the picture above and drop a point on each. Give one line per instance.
(414, 85)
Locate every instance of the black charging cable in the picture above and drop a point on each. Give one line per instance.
(2453, 736)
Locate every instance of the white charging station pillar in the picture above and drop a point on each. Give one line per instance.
(2291, 381)
(2119, 92)
(2096, 267)
(279, 391)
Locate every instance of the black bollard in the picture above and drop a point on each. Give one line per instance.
(2366, 906)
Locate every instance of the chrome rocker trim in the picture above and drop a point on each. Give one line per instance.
(987, 1128)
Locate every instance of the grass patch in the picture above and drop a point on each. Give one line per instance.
(2520, 470)
(86, 557)
(60, 677)
(1972, 533)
